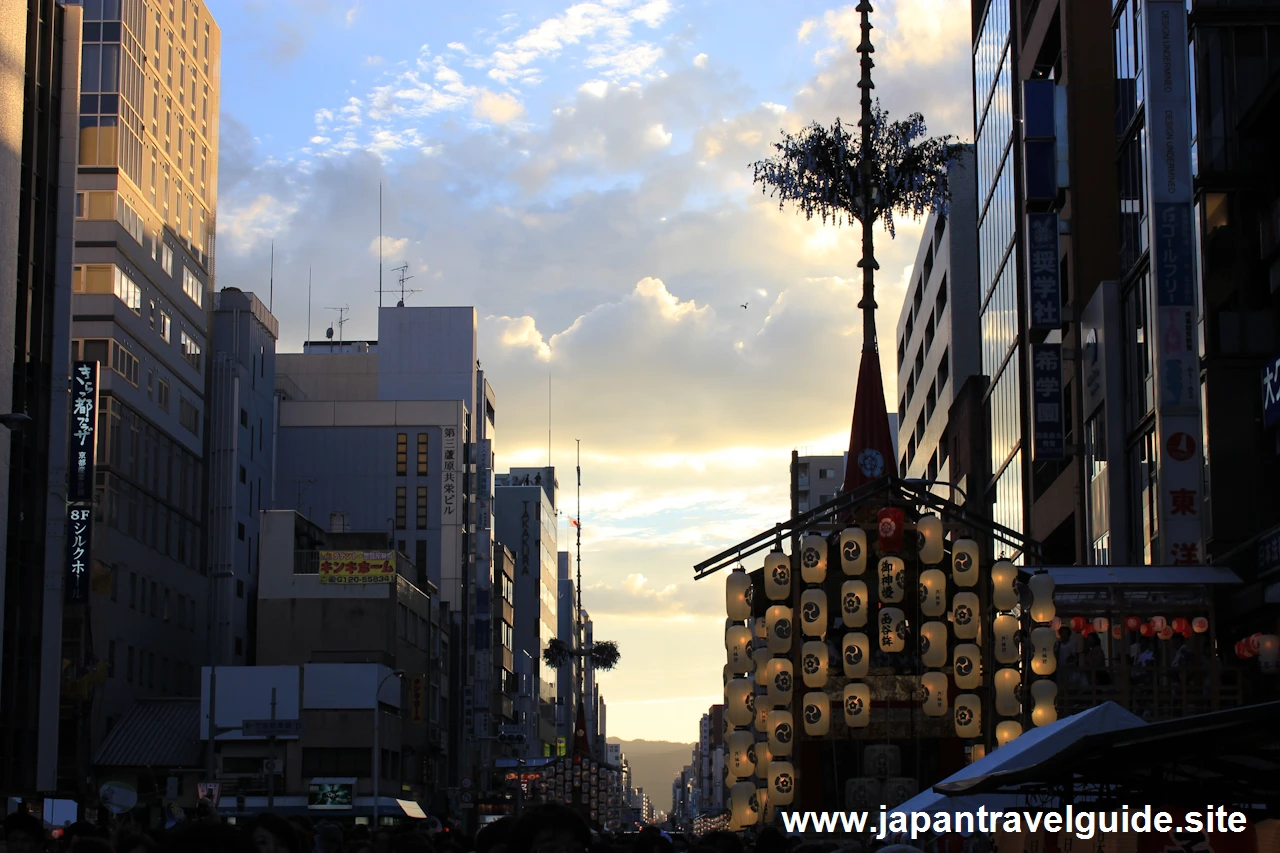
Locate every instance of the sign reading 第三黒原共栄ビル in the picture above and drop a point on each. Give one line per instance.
(357, 567)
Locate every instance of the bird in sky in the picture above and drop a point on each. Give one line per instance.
(744, 305)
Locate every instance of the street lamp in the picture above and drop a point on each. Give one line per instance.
(377, 743)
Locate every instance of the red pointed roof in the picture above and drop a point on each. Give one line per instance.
(581, 743)
(870, 441)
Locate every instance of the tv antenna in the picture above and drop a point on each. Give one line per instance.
(400, 288)
(342, 321)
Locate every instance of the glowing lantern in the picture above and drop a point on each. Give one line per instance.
(898, 790)
(743, 807)
(762, 717)
(1043, 660)
(933, 592)
(1007, 732)
(1056, 624)
(862, 794)
(1200, 624)
(934, 686)
(777, 576)
(781, 682)
(968, 715)
(891, 529)
(1132, 623)
(816, 711)
(1044, 696)
(740, 746)
(1166, 633)
(1180, 624)
(1255, 642)
(853, 551)
(1100, 624)
(933, 644)
(813, 663)
(739, 702)
(1042, 607)
(763, 757)
(1005, 630)
(1268, 652)
(964, 614)
(1147, 629)
(856, 654)
(813, 613)
(1007, 681)
(782, 733)
(813, 559)
(853, 603)
(1242, 650)
(737, 640)
(929, 531)
(782, 783)
(759, 665)
(967, 666)
(892, 630)
(964, 562)
(735, 591)
(857, 704)
(1004, 585)
(1159, 623)
(891, 580)
(1077, 623)
(1117, 632)
(780, 628)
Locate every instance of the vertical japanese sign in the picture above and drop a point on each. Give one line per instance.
(450, 478)
(1043, 271)
(1271, 393)
(1176, 352)
(79, 549)
(417, 699)
(81, 481)
(1046, 401)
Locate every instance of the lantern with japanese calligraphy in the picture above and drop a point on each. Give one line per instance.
(737, 640)
(891, 580)
(740, 746)
(1165, 633)
(760, 628)
(899, 789)
(780, 628)
(739, 702)
(777, 576)
(782, 783)
(813, 613)
(781, 682)
(882, 759)
(964, 614)
(759, 664)
(736, 587)
(967, 666)
(892, 630)
(1043, 660)
(933, 592)
(968, 715)
(813, 663)
(964, 562)
(1159, 623)
(853, 551)
(1005, 631)
(813, 559)
(1006, 682)
(855, 654)
(933, 644)
(1200, 625)
(934, 687)
(1007, 732)
(1042, 606)
(816, 712)
(862, 794)
(1269, 652)
(782, 732)
(929, 531)
(853, 604)
(762, 714)
(890, 525)
(1133, 623)
(1100, 624)
(763, 757)
(742, 806)
(1004, 585)
(856, 700)
(1044, 696)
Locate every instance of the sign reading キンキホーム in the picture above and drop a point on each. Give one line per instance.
(357, 567)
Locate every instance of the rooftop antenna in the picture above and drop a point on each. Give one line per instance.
(402, 269)
(379, 245)
(308, 304)
(342, 321)
(271, 292)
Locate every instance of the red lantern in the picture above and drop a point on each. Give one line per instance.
(1199, 624)
(1147, 629)
(1187, 634)
(1133, 623)
(891, 529)
(1181, 625)
(1166, 633)
(1078, 623)
(1117, 632)
(1086, 630)
(1242, 650)
(1158, 622)
(1253, 642)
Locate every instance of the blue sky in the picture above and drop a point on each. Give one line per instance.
(580, 173)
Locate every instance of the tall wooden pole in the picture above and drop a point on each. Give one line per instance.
(866, 165)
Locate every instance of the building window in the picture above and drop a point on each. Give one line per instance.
(240, 530)
(944, 369)
(942, 298)
(188, 415)
(422, 454)
(402, 454)
(166, 253)
(401, 507)
(422, 507)
(125, 363)
(166, 328)
(190, 350)
(128, 218)
(162, 394)
(192, 286)
(151, 670)
(127, 290)
(239, 589)
(154, 596)
(243, 475)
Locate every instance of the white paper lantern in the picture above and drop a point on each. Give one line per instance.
(735, 591)
(856, 701)
(780, 627)
(742, 805)
(737, 640)
(1200, 624)
(929, 532)
(853, 604)
(813, 559)
(777, 576)
(1159, 623)
(1269, 652)
(856, 655)
(1100, 624)
(863, 794)
(1043, 660)
(883, 760)
(759, 664)
(1042, 606)
(891, 580)
(740, 746)
(964, 562)
(968, 715)
(782, 732)
(1055, 623)
(1007, 732)
(933, 644)
(1005, 632)
(1007, 681)
(814, 657)
(1044, 697)
(934, 686)
(967, 666)
(813, 613)
(965, 615)
(781, 682)
(739, 702)
(898, 790)
(763, 757)
(816, 713)
(1004, 585)
(761, 721)
(933, 592)
(892, 630)
(761, 628)
(853, 551)
(782, 783)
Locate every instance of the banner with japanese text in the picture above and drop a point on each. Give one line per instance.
(357, 567)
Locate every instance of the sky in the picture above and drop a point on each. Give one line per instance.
(580, 173)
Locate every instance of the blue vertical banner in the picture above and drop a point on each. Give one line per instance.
(81, 481)
(1044, 271)
(1048, 421)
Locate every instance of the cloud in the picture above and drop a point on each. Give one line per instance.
(700, 61)
(499, 109)
(391, 247)
(806, 31)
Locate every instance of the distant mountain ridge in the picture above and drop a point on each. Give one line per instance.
(654, 765)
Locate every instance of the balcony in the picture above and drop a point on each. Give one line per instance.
(1154, 692)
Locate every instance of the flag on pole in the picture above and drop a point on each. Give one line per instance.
(574, 522)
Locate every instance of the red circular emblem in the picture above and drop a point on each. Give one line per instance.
(1180, 446)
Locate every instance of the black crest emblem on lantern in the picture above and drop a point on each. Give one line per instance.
(751, 754)
(964, 665)
(1017, 692)
(964, 716)
(783, 733)
(924, 643)
(851, 551)
(811, 611)
(812, 714)
(751, 703)
(751, 594)
(924, 693)
(781, 575)
(810, 557)
(811, 664)
(753, 803)
(963, 561)
(853, 655)
(900, 579)
(782, 629)
(902, 630)
(924, 593)
(853, 705)
(782, 681)
(784, 783)
(852, 603)
(963, 615)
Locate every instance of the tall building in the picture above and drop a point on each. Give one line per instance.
(567, 631)
(818, 478)
(39, 97)
(938, 339)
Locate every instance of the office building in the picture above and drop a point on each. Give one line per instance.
(567, 630)
(39, 97)
(938, 344)
(504, 641)
(818, 478)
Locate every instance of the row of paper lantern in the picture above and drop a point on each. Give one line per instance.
(1265, 647)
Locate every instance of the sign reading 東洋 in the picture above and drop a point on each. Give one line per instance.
(357, 567)
(1043, 271)
(1046, 401)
